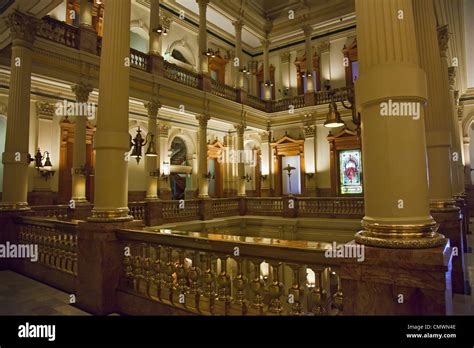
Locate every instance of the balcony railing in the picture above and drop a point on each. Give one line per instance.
(286, 103)
(330, 207)
(139, 60)
(224, 91)
(51, 211)
(271, 206)
(175, 211)
(178, 74)
(59, 32)
(225, 207)
(199, 273)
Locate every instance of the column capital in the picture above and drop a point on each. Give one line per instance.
(203, 119)
(22, 27)
(152, 107)
(45, 110)
(82, 91)
(238, 24)
(443, 39)
(202, 3)
(240, 128)
(265, 137)
(309, 131)
(265, 43)
(163, 130)
(285, 57)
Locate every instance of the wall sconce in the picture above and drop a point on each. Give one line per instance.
(309, 175)
(263, 177)
(244, 70)
(166, 171)
(247, 177)
(138, 142)
(211, 53)
(45, 170)
(269, 83)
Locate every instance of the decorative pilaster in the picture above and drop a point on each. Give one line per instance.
(82, 91)
(240, 128)
(203, 64)
(164, 191)
(266, 69)
(309, 130)
(151, 163)
(239, 76)
(397, 213)
(467, 161)
(112, 139)
(308, 30)
(266, 165)
(16, 158)
(202, 163)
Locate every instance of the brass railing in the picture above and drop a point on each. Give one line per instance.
(224, 91)
(225, 207)
(56, 240)
(178, 74)
(213, 274)
(139, 59)
(59, 32)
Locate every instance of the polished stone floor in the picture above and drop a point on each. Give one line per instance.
(20, 295)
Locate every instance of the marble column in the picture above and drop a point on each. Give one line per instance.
(202, 39)
(79, 177)
(439, 135)
(310, 159)
(266, 164)
(85, 14)
(397, 212)
(308, 30)
(87, 33)
(467, 161)
(155, 38)
(239, 76)
(16, 158)
(202, 159)
(240, 128)
(266, 69)
(164, 191)
(112, 139)
(151, 162)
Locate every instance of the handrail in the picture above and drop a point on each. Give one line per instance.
(59, 32)
(181, 75)
(223, 90)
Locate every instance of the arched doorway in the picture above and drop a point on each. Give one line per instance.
(178, 158)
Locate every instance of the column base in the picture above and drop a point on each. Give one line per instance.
(110, 215)
(400, 236)
(81, 211)
(9, 206)
(450, 221)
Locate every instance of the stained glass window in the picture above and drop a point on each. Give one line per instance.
(350, 169)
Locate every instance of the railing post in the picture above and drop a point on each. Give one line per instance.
(242, 206)
(205, 83)
(309, 99)
(153, 213)
(241, 96)
(88, 40)
(157, 66)
(205, 209)
(398, 282)
(289, 206)
(79, 211)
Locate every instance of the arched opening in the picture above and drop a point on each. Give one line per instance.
(178, 158)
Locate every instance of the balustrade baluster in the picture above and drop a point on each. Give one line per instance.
(208, 278)
(296, 292)
(276, 290)
(318, 296)
(257, 285)
(223, 289)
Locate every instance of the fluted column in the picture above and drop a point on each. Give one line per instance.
(151, 163)
(164, 191)
(155, 38)
(82, 92)
(437, 114)
(202, 163)
(16, 158)
(239, 76)
(240, 128)
(85, 14)
(397, 212)
(203, 65)
(266, 69)
(467, 161)
(112, 140)
(308, 30)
